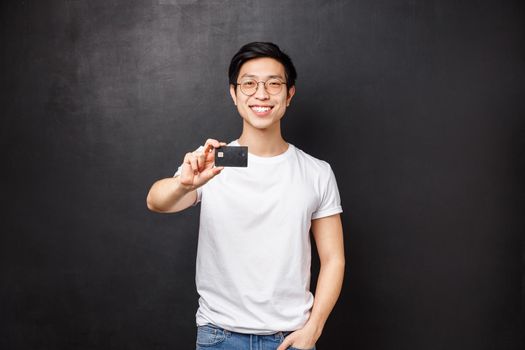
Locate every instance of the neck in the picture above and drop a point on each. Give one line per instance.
(263, 142)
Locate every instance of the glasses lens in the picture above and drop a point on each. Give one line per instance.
(249, 86)
(273, 86)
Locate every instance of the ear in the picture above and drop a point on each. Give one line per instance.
(233, 94)
(291, 92)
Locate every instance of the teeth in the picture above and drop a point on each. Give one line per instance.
(261, 109)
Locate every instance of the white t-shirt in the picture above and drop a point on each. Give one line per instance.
(253, 256)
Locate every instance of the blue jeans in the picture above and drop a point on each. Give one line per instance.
(210, 337)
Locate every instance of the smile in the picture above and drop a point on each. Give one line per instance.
(261, 110)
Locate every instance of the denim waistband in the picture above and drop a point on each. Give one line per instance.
(277, 335)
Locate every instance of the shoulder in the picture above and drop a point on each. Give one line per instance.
(312, 162)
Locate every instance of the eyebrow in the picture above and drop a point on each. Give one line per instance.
(256, 76)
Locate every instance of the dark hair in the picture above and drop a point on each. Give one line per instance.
(258, 50)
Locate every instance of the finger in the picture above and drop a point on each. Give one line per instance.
(207, 175)
(209, 157)
(211, 143)
(194, 165)
(187, 156)
(186, 174)
(186, 171)
(283, 346)
(217, 170)
(201, 160)
(287, 342)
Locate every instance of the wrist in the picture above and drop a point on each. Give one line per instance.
(315, 327)
(181, 188)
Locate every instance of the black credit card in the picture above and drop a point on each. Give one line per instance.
(232, 156)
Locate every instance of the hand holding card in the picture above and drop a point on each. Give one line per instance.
(198, 166)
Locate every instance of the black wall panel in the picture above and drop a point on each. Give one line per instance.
(417, 105)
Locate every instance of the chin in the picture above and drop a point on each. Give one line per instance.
(259, 124)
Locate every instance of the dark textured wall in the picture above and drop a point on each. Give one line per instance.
(417, 105)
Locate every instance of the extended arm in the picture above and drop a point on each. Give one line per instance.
(328, 235)
(169, 196)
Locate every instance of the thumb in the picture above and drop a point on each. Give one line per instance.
(208, 174)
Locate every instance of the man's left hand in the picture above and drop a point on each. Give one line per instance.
(303, 338)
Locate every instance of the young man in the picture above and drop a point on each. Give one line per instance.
(253, 256)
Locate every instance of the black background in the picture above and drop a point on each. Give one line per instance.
(417, 105)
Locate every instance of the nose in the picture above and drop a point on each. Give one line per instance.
(261, 92)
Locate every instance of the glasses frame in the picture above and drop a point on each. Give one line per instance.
(265, 86)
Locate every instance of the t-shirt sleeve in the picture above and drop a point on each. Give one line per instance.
(199, 189)
(330, 201)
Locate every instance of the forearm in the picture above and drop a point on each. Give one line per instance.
(168, 195)
(329, 284)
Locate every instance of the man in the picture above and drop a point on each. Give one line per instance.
(253, 256)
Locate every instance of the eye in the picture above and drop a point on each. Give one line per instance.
(248, 84)
(274, 83)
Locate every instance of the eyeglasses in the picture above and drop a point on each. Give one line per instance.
(249, 86)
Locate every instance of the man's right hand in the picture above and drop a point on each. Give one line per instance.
(198, 167)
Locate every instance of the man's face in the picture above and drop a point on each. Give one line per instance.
(262, 110)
